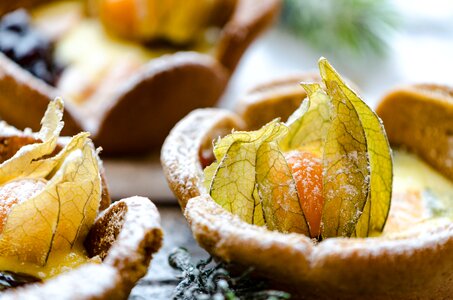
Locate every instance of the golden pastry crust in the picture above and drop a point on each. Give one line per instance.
(24, 98)
(7, 6)
(125, 235)
(145, 107)
(420, 118)
(416, 266)
(412, 264)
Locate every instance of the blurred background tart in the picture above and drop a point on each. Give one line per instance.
(126, 68)
(61, 236)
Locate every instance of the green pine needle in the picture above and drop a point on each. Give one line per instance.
(207, 280)
(357, 26)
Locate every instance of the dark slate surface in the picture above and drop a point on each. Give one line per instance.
(160, 280)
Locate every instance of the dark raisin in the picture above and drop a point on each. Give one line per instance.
(39, 68)
(28, 47)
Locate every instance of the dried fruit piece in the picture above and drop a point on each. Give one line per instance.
(28, 47)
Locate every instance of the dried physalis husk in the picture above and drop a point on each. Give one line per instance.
(49, 202)
(253, 178)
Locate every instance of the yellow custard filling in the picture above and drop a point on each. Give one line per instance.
(48, 201)
(410, 172)
(57, 263)
(420, 193)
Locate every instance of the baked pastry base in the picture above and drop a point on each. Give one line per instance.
(414, 263)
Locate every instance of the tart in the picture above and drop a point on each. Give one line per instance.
(85, 249)
(124, 88)
(410, 258)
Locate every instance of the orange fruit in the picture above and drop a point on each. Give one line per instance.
(16, 192)
(120, 16)
(307, 173)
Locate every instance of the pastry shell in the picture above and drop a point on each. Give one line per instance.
(420, 118)
(145, 107)
(414, 264)
(125, 235)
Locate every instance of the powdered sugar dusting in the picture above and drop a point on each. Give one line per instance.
(181, 150)
(225, 235)
(15, 192)
(90, 281)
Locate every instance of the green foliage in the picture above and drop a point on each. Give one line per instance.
(359, 26)
(208, 280)
(11, 280)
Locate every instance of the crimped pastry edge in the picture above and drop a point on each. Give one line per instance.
(415, 264)
(426, 131)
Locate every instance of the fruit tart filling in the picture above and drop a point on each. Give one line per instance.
(327, 172)
(421, 194)
(101, 43)
(48, 203)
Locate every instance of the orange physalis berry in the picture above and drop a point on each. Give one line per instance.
(16, 192)
(307, 173)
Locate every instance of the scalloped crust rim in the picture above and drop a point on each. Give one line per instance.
(417, 264)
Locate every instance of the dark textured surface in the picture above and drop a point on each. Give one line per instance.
(160, 281)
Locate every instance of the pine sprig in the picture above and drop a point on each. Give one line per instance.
(356, 26)
(209, 280)
(11, 280)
